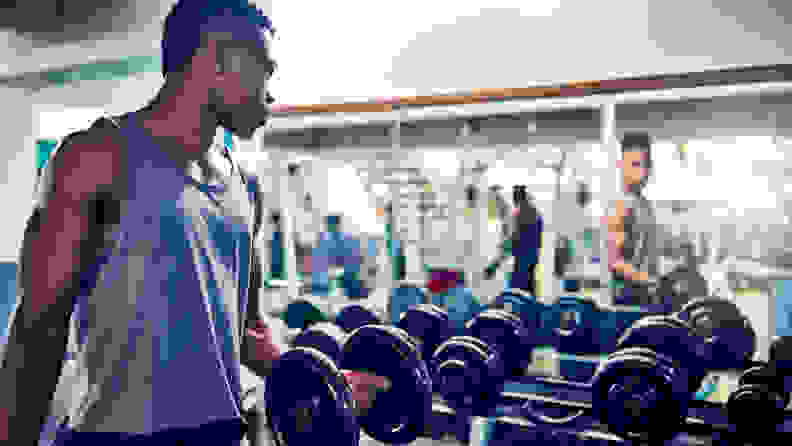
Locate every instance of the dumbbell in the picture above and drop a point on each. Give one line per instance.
(428, 326)
(469, 370)
(302, 313)
(572, 320)
(758, 403)
(646, 386)
(680, 285)
(308, 399)
(328, 337)
(730, 339)
(521, 303)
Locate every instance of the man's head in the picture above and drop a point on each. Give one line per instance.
(221, 50)
(636, 162)
(520, 195)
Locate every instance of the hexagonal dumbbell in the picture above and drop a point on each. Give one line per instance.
(652, 376)
(307, 397)
(730, 339)
(469, 370)
(758, 403)
(427, 325)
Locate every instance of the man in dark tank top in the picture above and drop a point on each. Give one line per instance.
(632, 254)
(145, 241)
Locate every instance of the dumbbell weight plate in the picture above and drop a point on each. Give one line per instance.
(754, 409)
(468, 374)
(731, 338)
(673, 338)
(764, 376)
(326, 337)
(428, 325)
(354, 316)
(504, 332)
(308, 400)
(302, 314)
(399, 415)
(681, 285)
(572, 317)
(520, 303)
(637, 378)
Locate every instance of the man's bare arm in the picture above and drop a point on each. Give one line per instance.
(51, 255)
(616, 239)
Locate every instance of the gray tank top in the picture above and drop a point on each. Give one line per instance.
(640, 249)
(160, 319)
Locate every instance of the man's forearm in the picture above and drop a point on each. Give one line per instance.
(630, 272)
(29, 375)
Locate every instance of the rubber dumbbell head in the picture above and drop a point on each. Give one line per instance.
(504, 332)
(729, 335)
(319, 407)
(520, 303)
(326, 337)
(759, 401)
(634, 388)
(781, 354)
(572, 316)
(355, 316)
(428, 325)
(399, 415)
(672, 338)
(468, 374)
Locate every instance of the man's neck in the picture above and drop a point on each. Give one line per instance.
(184, 129)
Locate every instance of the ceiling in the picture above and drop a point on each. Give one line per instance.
(57, 22)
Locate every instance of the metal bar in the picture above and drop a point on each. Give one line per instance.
(608, 144)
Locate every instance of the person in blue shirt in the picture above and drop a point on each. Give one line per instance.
(524, 243)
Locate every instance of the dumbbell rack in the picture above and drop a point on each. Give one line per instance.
(707, 422)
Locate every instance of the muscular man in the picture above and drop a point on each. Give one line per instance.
(631, 226)
(147, 230)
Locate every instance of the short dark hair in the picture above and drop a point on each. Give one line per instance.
(636, 141)
(183, 31)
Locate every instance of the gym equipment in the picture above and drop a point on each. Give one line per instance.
(399, 415)
(326, 337)
(573, 321)
(759, 402)
(320, 405)
(652, 376)
(562, 256)
(469, 370)
(468, 374)
(461, 305)
(729, 336)
(506, 333)
(354, 316)
(680, 286)
(521, 303)
(428, 325)
(302, 313)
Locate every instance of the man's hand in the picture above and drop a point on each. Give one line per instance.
(365, 387)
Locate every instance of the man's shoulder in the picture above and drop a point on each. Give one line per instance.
(102, 138)
(86, 160)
